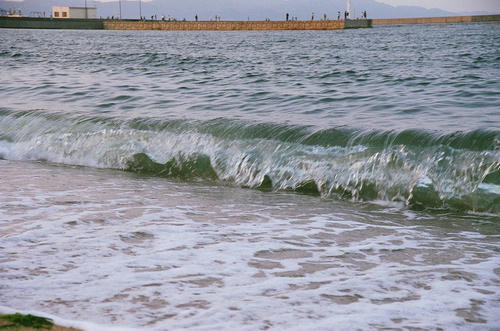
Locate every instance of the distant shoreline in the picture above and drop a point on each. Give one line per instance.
(128, 24)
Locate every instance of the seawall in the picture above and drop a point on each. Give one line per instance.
(237, 25)
(49, 23)
(98, 24)
(436, 20)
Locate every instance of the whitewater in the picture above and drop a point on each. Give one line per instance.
(252, 180)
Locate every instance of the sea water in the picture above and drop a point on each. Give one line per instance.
(251, 180)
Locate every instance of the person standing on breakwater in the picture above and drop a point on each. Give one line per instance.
(312, 17)
(286, 17)
(196, 17)
(324, 16)
(338, 15)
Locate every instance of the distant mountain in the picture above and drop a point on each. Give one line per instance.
(227, 9)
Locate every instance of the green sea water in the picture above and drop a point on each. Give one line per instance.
(247, 180)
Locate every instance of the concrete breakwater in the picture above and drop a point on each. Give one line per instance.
(237, 25)
(49, 23)
(436, 20)
(97, 24)
(103, 24)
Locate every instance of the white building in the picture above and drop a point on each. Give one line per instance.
(74, 12)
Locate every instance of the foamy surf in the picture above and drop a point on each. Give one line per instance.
(418, 168)
(113, 249)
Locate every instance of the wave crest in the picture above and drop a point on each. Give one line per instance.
(420, 168)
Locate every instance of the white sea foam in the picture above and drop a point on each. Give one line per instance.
(115, 250)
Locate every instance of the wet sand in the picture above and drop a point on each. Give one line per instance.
(119, 250)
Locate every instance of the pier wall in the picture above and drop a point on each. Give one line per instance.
(358, 24)
(436, 20)
(49, 23)
(236, 25)
(98, 24)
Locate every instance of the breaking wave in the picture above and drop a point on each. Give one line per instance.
(420, 168)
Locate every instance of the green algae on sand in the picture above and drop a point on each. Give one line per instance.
(26, 322)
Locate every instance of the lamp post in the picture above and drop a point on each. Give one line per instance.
(86, 10)
(140, 9)
(120, 3)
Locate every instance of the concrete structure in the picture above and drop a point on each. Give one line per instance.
(436, 20)
(98, 24)
(74, 12)
(49, 23)
(236, 25)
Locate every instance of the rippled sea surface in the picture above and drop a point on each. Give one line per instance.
(252, 180)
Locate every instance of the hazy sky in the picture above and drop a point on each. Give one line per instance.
(451, 5)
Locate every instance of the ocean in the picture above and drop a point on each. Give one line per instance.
(284, 180)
